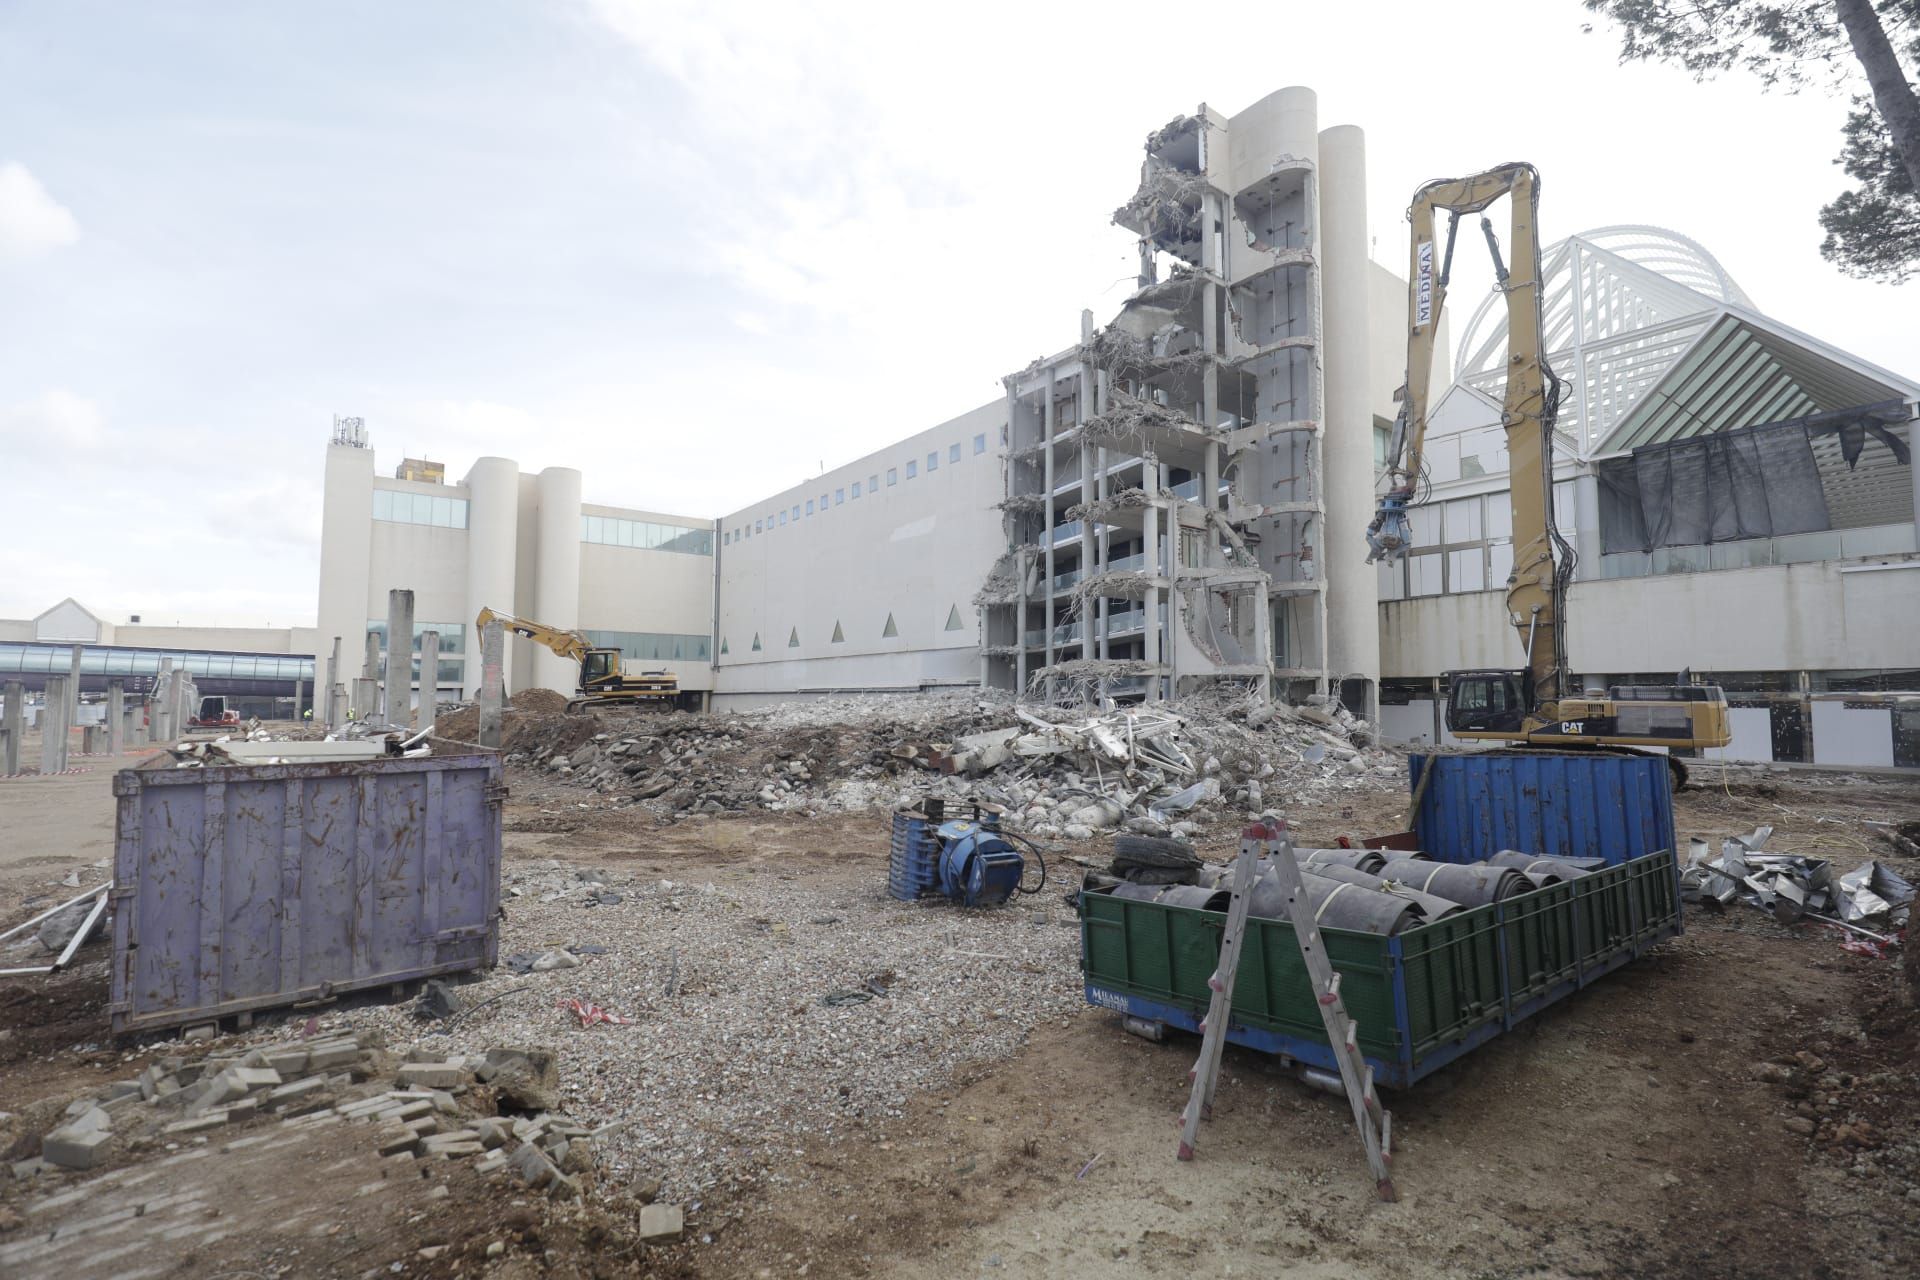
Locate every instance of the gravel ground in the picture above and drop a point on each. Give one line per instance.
(746, 1062)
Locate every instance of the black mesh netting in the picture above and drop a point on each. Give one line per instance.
(1756, 482)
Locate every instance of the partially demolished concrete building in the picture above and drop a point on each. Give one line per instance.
(1183, 484)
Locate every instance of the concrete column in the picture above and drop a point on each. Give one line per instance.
(493, 538)
(161, 702)
(370, 669)
(493, 643)
(1047, 481)
(1150, 531)
(556, 587)
(73, 687)
(15, 723)
(1089, 611)
(133, 731)
(116, 717)
(396, 701)
(299, 696)
(53, 726)
(429, 681)
(336, 706)
(346, 544)
(325, 691)
(365, 702)
(1353, 585)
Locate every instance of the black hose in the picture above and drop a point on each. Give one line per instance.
(1037, 857)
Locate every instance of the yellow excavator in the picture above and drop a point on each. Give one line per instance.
(602, 681)
(1532, 706)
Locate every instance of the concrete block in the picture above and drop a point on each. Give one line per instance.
(241, 1109)
(398, 1142)
(433, 1075)
(210, 1094)
(72, 1148)
(24, 1169)
(91, 1120)
(403, 1111)
(533, 1167)
(493, 1132)
(120, 1089)
(294, 1091)
(197, 1123)
(121, 1104)
(660, 1223)
(443, 1103)
(456, 1150)
(456, 1135)
(252, 1078)
(254, 1058)
(424, 1125)
(494, 1161)
(288, 1062)
(325, 1059)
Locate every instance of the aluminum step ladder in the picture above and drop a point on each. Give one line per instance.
(1375, 1123)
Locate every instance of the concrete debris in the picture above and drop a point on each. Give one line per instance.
(1048, 769)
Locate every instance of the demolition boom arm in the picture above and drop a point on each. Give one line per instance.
(568, 644)
(1542, 560)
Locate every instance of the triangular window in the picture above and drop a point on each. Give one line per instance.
(953, 618)
(756, 642)
(889, 630)
(723, 646)
(793, 638)
(839, 636)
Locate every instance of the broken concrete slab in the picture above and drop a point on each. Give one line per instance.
(75, 1148)
(433, 1075)
(661, 1223)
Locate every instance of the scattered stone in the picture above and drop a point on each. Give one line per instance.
(433, 1075)
(437, 1000)
(556, 959)
(661, 1223)
(195, 1035)
(74, 1147)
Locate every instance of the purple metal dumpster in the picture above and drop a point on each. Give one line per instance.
(243, 887)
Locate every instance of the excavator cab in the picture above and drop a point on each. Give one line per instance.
(1487, 703)
(599, 666)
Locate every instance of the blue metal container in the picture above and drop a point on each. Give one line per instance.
(1578, 804)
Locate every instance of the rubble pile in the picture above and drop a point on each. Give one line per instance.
(1143, 769)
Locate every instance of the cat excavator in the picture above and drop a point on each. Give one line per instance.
(602, 681)
(1531, 706)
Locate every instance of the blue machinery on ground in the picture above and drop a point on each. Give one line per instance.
(968, 860)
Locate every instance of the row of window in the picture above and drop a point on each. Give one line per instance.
(840, 495)
(611, 531)
(58, 660)
(888, 631)
(419, 508)
(650, 646)
(453, 635)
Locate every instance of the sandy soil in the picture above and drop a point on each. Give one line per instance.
(1622, 1133)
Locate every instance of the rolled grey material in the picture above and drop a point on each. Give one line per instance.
(1175, 895)
(1557, 869)
(1368, 860)
(1335, 904)
(1432, 905)
(1470, 885)
(1193, 895)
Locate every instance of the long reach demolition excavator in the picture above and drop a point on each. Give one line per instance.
(603, 683)
(1532, 706)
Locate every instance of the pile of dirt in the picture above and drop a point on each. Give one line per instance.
(463, 724)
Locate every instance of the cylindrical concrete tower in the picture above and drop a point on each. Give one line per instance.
(346, 542)
(556, 585)
(493, 528)
(1353, 586)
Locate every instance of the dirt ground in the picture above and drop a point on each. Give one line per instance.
(1624, 1132)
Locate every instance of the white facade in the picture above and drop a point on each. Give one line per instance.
(517, 543)
(864, 577)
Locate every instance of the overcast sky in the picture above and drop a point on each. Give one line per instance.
(696, 254)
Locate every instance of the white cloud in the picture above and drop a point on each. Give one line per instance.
(31, 221)
(56, 421)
